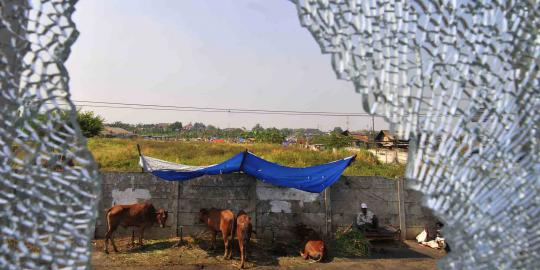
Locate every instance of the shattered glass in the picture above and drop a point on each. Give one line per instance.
(460, 80)
(48, 180)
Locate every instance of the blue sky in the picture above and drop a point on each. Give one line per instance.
(226, 53)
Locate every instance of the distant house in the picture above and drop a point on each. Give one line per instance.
(359, 139)
(316, 147)
(116, 132)
(187, 127)
(385, 139)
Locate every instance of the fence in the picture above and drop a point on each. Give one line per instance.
(274, 210)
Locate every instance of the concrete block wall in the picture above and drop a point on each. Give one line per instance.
(417, 216)
(280, 209)
(379, 193)
(274, 210)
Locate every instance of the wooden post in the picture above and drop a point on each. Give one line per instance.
(327, 214)
(179, 227)
(401, 207)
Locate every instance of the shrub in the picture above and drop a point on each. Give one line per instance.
(351, 242)
(91, 125)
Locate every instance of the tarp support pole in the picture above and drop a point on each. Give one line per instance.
(243, 158)
(140, 155)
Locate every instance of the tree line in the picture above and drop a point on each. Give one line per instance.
(91, 125)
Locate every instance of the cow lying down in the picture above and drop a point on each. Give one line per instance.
(141, 215)
(314, 247)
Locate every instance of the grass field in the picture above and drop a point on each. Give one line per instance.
(121, 155)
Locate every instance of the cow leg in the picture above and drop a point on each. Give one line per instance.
(141, 236)
(230, 238)
(242, 255)
(113, 244)
(132, 238)
(246, 251)
(214, 233)
(230, 243)
(108, 236)
(226, 243)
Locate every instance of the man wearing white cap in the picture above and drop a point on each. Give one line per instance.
(366, 220)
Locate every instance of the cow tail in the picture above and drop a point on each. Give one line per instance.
(108, 210)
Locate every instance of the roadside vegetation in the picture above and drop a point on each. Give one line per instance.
(121, 155)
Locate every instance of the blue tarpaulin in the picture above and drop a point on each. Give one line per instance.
(229, 166)
(312, 179)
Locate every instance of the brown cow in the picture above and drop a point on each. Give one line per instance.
(314, 246)
(243, 234)
(220, 220)
(142, 215)
(313, 249)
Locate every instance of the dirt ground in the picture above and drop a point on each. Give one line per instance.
(196, 254)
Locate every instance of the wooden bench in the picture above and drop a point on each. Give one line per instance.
(384, 234)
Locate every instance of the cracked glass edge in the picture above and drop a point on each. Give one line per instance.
(49, 182)
(460, 80)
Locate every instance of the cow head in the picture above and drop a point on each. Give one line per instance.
(161, 217)
(203, 215)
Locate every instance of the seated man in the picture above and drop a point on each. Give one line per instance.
(366, 221)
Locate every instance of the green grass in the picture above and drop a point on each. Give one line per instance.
(120, 155)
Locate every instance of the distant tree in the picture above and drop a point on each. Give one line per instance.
(212, 131)
(270, 135)
(334, 140)
(257, 128)
(176, 126)
(338, 130)
(91, 125)
(199, 126)
(286, 132)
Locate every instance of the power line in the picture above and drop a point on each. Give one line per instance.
(220, 111)
(156, 107)
(208, 109)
